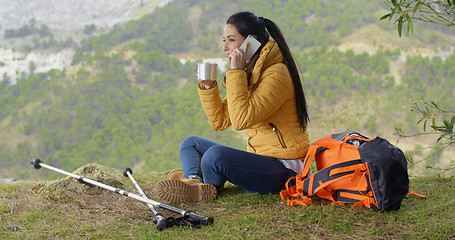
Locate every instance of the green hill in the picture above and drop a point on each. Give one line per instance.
(128, 100)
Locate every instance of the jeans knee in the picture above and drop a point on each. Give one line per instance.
(213, 158)
(189, 141)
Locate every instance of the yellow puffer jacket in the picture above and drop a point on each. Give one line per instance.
(264, 106)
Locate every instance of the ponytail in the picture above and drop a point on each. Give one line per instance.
(300, 101)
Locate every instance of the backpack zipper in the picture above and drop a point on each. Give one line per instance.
(279, 135)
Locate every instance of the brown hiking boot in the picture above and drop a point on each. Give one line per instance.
(175, 174)
(185, 190)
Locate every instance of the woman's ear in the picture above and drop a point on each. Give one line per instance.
(255, 37)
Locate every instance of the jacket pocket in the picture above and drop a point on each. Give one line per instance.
(279, 135)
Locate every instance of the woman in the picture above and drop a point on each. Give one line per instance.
(263, 96)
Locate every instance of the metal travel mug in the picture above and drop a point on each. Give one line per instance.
(206, 71)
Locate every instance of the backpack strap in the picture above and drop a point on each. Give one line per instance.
(295, 191)
(364, 198)
(367, 201)
(307, 185)
(319, 183)
(292, 192)
(329, 175)
(416, 194)
(313, 150)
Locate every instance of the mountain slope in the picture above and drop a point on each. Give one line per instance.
(69, 16)
(125, 101)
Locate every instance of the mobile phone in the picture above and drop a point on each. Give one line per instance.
(253, 46)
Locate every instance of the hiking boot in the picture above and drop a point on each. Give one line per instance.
(185, 190)
(175, 174)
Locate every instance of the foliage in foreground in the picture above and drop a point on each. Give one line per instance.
(431, 113)
(439, 12)
(238, 215)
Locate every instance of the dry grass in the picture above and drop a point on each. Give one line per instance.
(67, 209)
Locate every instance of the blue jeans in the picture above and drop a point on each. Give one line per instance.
(215, 164)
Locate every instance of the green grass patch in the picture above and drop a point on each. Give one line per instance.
(28, 214)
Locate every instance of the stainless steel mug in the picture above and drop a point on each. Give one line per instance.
(206, 71)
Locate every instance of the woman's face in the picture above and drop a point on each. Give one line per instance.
(232, 39)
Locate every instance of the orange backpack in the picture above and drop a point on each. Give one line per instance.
(352, 169)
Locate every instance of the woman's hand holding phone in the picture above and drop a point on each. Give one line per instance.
(241, 56)
(238, 58)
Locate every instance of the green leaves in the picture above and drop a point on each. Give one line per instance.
(439, 12)
(388, 15)
(446, 129)
(401, 8)
(400, 25)
(432, 112)
(409, 21)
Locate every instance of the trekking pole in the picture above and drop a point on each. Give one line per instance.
(158, 218)
(189, 216)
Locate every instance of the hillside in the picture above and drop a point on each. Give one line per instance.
(69, 17)
(127, 98)
(47, 31)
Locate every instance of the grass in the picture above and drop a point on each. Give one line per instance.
(28, 212)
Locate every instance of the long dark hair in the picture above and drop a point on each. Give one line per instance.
(249, 24)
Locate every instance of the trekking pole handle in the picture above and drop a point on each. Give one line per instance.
(198, 219)
(37, 163)
(126, 170)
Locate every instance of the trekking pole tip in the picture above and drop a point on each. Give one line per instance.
(36, 163)
(160, 222)
(126, 170)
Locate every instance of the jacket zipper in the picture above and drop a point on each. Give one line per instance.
(249, 139)
(279, 135)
